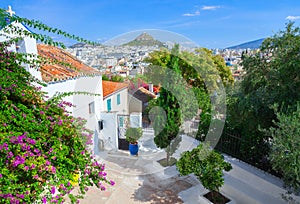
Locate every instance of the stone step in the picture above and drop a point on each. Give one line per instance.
(241, 192)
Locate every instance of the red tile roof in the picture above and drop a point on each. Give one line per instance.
(110, 87)
(51, 72)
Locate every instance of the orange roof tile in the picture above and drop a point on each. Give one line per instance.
(110, 87)
(57, 71)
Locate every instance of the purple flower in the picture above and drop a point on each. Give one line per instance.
(59, 122)
(44, 200)
(112, 182)
(4, 124)
(32, 166)
(36, 176)
(26, 168)
(53, 170)
(48, 163)
(42, 112)
(52, 190)
(24, 115)
(10, 155)
(0, 175)
(31, 141)
(19, 160)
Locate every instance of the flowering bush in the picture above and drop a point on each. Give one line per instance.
(41, 145)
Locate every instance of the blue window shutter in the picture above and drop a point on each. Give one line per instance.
(118, 99)
(121, 121)
(109, 105)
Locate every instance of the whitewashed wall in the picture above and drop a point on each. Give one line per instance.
(135, 105)
(109, 133)
(123, 107)
(93, 85)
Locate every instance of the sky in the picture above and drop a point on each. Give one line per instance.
(207, 23)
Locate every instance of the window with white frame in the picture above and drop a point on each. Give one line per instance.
(92, 108)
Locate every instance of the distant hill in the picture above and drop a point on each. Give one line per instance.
(77, 45)
(251, 45)
(144, 39)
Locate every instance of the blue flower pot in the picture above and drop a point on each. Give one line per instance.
(133, 148)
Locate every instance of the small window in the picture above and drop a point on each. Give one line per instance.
(91, 108)
(108, 105)
(118, 99)
(121, 121)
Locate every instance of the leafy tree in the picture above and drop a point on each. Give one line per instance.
(208, 165)
(41, 145)
(105, 78)
(272, 77)
(171, 106)
(285, 147)
(117, 78)
(201, 71)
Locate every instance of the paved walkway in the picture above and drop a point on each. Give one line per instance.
(142, 179)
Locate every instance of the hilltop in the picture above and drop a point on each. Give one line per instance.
(144, 39)
(255, 44)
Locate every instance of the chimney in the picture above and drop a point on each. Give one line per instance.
(151, 87)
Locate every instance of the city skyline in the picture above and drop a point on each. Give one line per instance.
(211, 24)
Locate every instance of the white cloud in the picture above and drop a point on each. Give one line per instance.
(292, 18)
(197, 13)
(210, 7)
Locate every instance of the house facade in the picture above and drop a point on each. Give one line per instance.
(79, 78)
(115, 97)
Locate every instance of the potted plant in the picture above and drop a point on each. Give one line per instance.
(132, 136)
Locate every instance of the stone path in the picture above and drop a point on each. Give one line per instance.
(142, 180)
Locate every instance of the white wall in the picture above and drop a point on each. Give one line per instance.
(135, 105)
(123, 107)
(91, 84)
(109, 133)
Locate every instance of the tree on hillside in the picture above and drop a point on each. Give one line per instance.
(285, 149)
(208, 165)
(42, 149)
(201, 71)
(170, 104)
(272, 77)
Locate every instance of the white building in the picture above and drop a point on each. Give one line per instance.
(62, 79)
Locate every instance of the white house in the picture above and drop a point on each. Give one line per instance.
(101, 107)
(115, 97)
(61, 79)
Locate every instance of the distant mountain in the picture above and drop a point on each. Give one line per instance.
(144, 39)
(77, 45)
(251, 45)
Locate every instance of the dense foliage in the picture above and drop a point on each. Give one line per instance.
(272, 77)
(208, 165)
(286, 148)
(42, 147)
(202, 71)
